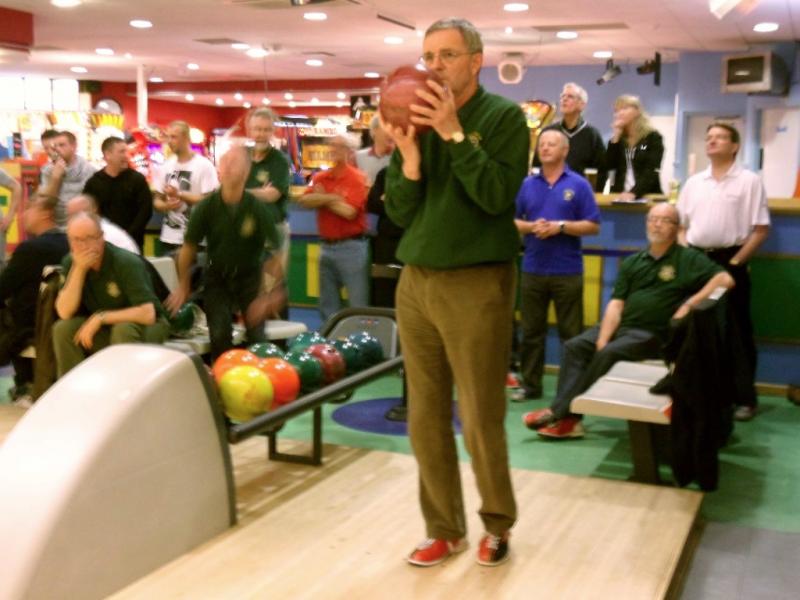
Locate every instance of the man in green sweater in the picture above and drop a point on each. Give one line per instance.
(453, 189)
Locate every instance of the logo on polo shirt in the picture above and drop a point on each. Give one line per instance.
(248, 227)
(474, 138)
(262, 176)
(569, 194)
(667, 273)
(112, 289)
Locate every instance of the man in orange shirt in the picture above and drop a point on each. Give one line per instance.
(339, 195)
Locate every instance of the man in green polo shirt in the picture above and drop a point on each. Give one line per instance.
(654, 286)
(236, 226)
(107, 297)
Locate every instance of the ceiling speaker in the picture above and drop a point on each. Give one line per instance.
(511, 68)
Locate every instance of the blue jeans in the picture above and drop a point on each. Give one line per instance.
(343, 264)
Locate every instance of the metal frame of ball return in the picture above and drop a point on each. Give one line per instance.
(379, 322)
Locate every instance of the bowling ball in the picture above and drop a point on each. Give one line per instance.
(369, 346)
(398, 91)
(308, 368)
(306, 339)
(333, 365)
(232, 358)
(351, 354)
(183, 320)
(284, 378)
(246, 392)
(266, 350)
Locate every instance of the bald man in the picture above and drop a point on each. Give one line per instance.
(107, 297)
(112, 233)
(340, 197)
(663, 282)
(236, 226)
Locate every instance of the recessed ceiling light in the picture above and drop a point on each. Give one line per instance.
(247, 105)
(509, 30)
(156, 80)
(104, 51)
(315, 100)
(393, 40)
(603, 54)
(141, 24)
(65, 3)
(766, 27)
(128, 55)
(238, 96)
(341, 95)
(567, 35)
(189, 97)
(292, 104)
(240, 46)
(314, 62)
(515, 7)
(372, 75)
(219, 101)
(315, 16)
(79, 69)
(256, 53)
(340, 104)
(288, 95)
(266, 101)
(192, 66)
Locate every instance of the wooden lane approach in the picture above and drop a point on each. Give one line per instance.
(343, 531)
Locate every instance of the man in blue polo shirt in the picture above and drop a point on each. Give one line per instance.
(554, 209)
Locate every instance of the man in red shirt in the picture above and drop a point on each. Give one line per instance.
(339, 195)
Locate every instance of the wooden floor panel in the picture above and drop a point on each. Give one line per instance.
(342, 531)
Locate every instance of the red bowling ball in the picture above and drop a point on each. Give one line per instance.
(399, 91)
(333, 365)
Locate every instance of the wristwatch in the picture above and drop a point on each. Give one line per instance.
(457, 137)
(561, 226)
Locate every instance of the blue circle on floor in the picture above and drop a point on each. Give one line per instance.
(370, 416)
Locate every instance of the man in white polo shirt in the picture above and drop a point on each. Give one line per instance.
(724, 213)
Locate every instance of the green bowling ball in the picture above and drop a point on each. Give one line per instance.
(369, 346)
(266, 350)
(306, 339)
(183, 319)
(351, 354)
(308, 368)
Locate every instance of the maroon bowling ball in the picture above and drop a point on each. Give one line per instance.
(398, 91)
(333, 365)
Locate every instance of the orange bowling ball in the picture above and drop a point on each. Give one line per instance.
(232, 358)
(284, 378)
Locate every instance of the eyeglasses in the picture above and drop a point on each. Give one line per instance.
(569, 97)
(667, 220)
(445, 56)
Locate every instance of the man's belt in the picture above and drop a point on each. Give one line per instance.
(719, 253)
(340, 240)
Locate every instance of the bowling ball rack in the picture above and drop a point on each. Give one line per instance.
(270, 423)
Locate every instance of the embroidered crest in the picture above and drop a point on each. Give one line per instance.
(569, 194)
(248, 227)
(666, 273)
(262, 176)
(112, 289)
(474, 138)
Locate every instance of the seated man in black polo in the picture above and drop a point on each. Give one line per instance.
(107, 297)
(235, 225)
(655, 285)
(19, 286)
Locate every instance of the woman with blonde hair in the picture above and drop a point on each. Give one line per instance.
(635, 150)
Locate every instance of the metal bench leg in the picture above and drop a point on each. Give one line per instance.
(644, 451)
(315, 458)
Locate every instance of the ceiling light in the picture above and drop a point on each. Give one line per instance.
(265, 101)
(340, 104)
(611, 71)
(219, 101)
(765, 27)
(240, 46)
(79, 69)
(288, 95)
(341, 95)
(247, 105)
(314, 62)
(515, 7)
(720, 8)
(156, 80)
(315, 16)
(603, 54)
(192, 66)
(65, 3)
(104, 51)
(256, 53)
(141, 24)
(372, 75)
(567, 35)
(392, 40)
(509, 30)
(237, 96)
(315, 100)
(292, 104)
(128, 55)
(189, 97)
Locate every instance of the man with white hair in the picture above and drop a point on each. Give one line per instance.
(340, 195)
(113, 234)
(371, 160)
(586, 147)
